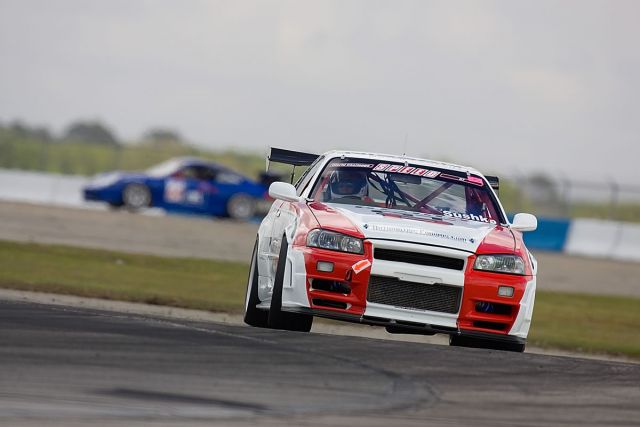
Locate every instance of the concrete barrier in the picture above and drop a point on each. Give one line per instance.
(587, 237)
(592, 237)
(551, 235)
(627, 246)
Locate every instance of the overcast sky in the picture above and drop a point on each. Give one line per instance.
(506, 86)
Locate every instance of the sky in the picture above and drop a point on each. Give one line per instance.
(504, 86)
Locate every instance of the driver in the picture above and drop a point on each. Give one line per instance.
(346, 183)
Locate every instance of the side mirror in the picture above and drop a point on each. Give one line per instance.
(284, 191)
(524, 222)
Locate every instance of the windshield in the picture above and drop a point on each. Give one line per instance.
(406, 187)
(164, 168)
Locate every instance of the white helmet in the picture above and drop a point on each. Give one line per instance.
(348, 183)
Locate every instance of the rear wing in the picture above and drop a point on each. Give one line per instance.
(494, 182)
(294, 158)
(289, 157)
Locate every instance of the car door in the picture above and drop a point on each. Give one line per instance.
(227, 183)
(188, 190)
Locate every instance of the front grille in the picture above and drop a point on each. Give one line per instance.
(419, 258)
(398, 293)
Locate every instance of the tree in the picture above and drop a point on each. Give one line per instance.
(91, 132)
(162, 135)
(23, 130)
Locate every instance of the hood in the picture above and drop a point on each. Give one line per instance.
(394, 224)
(109, 178)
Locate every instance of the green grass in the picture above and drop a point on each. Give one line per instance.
(193, 283)
(578, 322)
(587, 323)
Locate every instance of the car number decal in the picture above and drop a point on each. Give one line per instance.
(174, 190)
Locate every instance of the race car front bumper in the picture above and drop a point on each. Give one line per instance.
(343, 294)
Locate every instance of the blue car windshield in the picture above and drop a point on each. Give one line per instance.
(164, 168)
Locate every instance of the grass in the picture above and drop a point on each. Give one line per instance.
(587, 323)
(578, 322)
(192, 283)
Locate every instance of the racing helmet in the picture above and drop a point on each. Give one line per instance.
(348, 183)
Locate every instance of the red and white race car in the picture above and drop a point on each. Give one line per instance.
(414, 245)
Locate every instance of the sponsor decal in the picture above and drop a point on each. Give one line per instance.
(408, 170)
(352, 165)
(361, 266)
(470, 179)
(228, 178)
(475, 180)
(194, 197)
(416, 216)
(418, 231)
(471, 217)
(206, 187)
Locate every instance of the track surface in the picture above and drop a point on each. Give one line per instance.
(69, 366)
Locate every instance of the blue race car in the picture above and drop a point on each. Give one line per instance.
(184, 185)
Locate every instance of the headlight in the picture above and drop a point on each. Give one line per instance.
(511, 264)
(325, 239)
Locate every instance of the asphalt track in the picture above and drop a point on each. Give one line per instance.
(64, 366)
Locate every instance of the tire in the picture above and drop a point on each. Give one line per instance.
(136, 196)
(254, 316)
(279, 319)
(241, 207)
(461, 341)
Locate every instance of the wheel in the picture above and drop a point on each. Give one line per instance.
(461, 341)
(136, 196)
(241, 206)
(254, 316)
(279, 319)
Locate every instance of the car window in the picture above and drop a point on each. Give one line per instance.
(407, 187)
(199, 172)
(304, 180)
(188, 172)
(205, 173)
(164, 168)
(227, 177)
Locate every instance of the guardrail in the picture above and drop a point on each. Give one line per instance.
(587, 237)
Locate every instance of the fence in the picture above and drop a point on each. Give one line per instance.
(569, 198)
